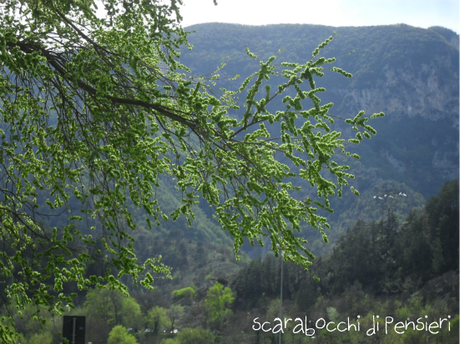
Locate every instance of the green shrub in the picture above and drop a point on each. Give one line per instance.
(195, 336)
(119, 335)
(184, 293)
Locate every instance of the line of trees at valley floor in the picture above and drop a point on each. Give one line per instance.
(115, 318)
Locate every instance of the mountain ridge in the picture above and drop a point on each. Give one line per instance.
(409, 73)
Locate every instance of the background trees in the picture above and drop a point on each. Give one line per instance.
(119, 335)
(106, 309)
(173, 314)
(157, 318)
(195, 336)
(217, 303)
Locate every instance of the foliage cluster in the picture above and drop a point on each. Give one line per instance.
(96, 109)
(119, 335)
(185, 293)
(218, 301)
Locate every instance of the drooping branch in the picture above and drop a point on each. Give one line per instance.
(59, 66)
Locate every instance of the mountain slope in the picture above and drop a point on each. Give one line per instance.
(409, 73)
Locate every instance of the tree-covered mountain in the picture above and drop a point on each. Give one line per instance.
(411, 74)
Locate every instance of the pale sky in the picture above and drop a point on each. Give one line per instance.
(420, 13)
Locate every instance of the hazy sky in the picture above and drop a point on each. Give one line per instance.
(421, 13)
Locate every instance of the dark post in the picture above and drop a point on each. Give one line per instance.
(73, 329)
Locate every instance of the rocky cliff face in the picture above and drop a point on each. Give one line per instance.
(424, 95)
(419, 139)
(407, 92)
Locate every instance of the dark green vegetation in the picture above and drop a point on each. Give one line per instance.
(381, 268)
